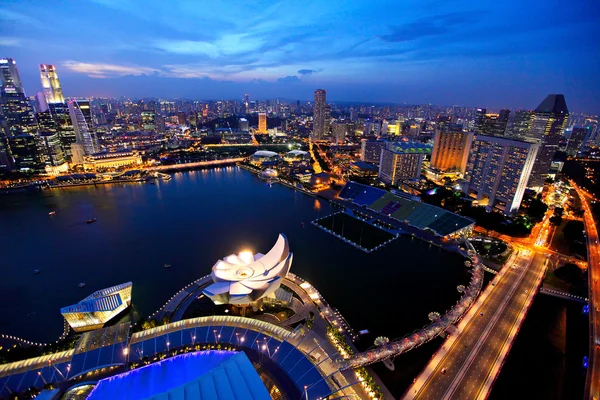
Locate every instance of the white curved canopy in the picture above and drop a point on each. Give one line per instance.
(245, 277)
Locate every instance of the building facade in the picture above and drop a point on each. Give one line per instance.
(549, 122)
(81, 118)
(51, 84)
(451, 149)
(319, 115)
(370, 150)
(498, 170)
(262, 123)
(402, 161)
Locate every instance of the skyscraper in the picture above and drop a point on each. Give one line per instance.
(492, 124)
(498, 170)
(521, 124)
(451, 149)
(319, 115)
(80, 112)
(64, 126)
(262, 123)
(339, 132)
(549, 121)
(576, 140)
(19, 144)
(13, 103)
(370, 150)
(51, 84)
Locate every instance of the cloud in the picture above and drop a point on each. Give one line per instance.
(430, 26)
(188, 47)
(289, 79)
(100, 70)
(9, 15)
(308, 71)
(10, 42)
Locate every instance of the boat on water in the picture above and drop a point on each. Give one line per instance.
(91, 221)
(36, 271)
(167, 265)
(82, 284)
(52, 213)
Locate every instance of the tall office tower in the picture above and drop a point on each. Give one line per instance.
(492, 124)
(547, 129)
(40, 102)
(51, 84)
(521, 124)
(52, 152)
(247, 103)
(80, 112)
(319, 115)
(370, 150)
(13, 103)
(262, 123)
(479, 119)
(64, 125)
(402, 161)
(451, 149)
(181, 118)
(339, 132)
(498, 170)
(243, 125)
(576, 140)
(149, 121)
(27, 153)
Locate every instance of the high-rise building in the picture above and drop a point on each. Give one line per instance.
(498, 170)
(492, 124)
(451, 148)
(576, 140)
(181, 118)
(370, 150)
(243, 125)
(80, 112)
(51, 84)
(479, 119)
(64, 125)
(247, 103)
(339, 132)
(319, 115)
(13, 103)
(402, 161)
(521, 124)
(27, 153)
(149, 121)
(549, 122)
(262, 123)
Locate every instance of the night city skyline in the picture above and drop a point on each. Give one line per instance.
(495, 55)
(307, 200)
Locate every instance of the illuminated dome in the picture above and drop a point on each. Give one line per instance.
(269, 173)
(246, 277)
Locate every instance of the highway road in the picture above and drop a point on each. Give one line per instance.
(593, 376)
(468, 363)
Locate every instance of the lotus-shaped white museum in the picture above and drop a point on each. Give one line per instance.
(245, 278)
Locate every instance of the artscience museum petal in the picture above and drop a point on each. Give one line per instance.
(245, 278)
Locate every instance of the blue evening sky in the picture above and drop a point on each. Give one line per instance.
(508, 53)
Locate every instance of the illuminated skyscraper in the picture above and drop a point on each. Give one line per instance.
(19, 144)
(81, 118)
(549, 122)
(262, 123)
(319, 115)
(521, 125)
(451, 148)
(51, 84)
(498, 170)
(13, 103)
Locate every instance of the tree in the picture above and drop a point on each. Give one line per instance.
(537, 209)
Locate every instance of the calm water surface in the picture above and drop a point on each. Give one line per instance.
(190, 222)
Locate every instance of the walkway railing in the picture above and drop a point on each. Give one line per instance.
(428, 332)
